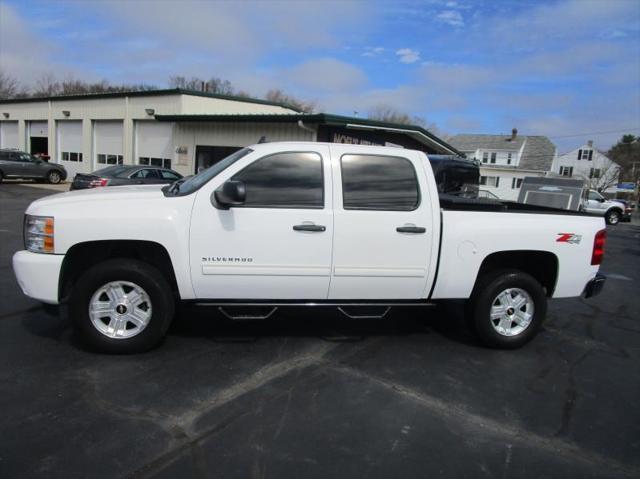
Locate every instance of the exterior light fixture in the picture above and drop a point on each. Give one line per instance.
(150, 111)
(66, 112)
(6, 114)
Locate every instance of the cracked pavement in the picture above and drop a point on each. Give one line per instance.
(310, 394)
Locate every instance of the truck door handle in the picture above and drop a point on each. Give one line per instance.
(309, 227)
(411, 229)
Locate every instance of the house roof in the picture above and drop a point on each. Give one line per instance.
(537, 154)
(166, 91)
(417, 132)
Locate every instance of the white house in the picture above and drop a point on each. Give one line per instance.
(506, 159)
(589, 163)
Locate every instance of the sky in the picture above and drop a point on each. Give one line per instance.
(569, 70)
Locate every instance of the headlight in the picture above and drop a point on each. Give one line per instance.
(38, 234)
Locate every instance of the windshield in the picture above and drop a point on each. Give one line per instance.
(189, 185)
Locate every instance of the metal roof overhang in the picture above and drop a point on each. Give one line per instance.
(416, 132)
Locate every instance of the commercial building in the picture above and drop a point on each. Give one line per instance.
(506, 159)
(182, 129)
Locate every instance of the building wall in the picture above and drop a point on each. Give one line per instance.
(131, 110)
(505, 189)
(187, 135)
(582, 167)
(197, 105)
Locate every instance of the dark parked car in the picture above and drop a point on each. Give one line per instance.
(20, 165)
(119, 175)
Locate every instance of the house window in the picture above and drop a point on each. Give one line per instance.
(159, 162)
(566, 171)
(585, 155)
(493, 157)
(493, 181)
(485, 157)
(509, 156)
(516, 183)
(594, 173)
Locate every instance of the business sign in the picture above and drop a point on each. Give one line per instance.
(628, 186)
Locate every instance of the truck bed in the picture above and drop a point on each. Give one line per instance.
(457, 203)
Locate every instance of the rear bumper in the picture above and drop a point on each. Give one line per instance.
(594, 286)
(38, 274)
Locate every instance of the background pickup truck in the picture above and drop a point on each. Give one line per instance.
(302, 223)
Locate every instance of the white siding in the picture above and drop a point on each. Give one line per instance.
(154, 140)
(505, 189)
(198, 105)
(582, 167)
(9, 134)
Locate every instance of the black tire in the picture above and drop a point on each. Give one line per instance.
(486, 292)
(54, 177)
(613, 216)
(139, 273)
(1, 176)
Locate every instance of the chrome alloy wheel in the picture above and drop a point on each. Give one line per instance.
(512, 312)
(120, 309)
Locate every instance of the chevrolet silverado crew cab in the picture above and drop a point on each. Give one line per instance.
(304, 224)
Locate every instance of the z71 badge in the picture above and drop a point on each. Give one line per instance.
(569, 238)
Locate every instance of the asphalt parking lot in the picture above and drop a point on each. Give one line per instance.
(310, 394)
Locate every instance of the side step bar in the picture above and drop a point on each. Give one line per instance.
(351, 310)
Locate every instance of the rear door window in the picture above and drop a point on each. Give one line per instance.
(377, 182)
(284, 180)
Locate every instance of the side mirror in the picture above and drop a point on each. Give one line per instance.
(601, 200)
(231, 193)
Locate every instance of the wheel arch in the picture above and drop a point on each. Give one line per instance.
(542, 265)
(84, 255)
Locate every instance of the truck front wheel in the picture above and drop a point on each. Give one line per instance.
(507, 308)
(122, 306)
(613, 216)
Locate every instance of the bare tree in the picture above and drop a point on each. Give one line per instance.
(278, 96)
(390, 114)
(602, 179)
(47, 85)
(9, 86)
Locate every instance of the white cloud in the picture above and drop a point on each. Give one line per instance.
(451, 17)
(373, 51)
(407, 55)
(323, 75)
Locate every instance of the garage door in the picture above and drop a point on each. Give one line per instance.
(107, 147)
(154, 143)
(38, 133)
(9, 134)
(70, 150)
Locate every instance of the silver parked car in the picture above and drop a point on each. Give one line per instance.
(17, 164)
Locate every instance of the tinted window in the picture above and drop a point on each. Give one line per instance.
(378, 183)
(284, 180)
(145, 173)
(170, 175)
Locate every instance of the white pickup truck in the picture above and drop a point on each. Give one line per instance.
(301, 223)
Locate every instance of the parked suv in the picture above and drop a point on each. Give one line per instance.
(20, 165)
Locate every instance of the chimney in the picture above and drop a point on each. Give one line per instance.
(590, 143)
(514, 134)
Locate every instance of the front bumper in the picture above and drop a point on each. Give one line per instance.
(594, 286)
(38, 274)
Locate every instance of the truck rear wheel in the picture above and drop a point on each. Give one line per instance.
(507, 308)
(122, 306)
